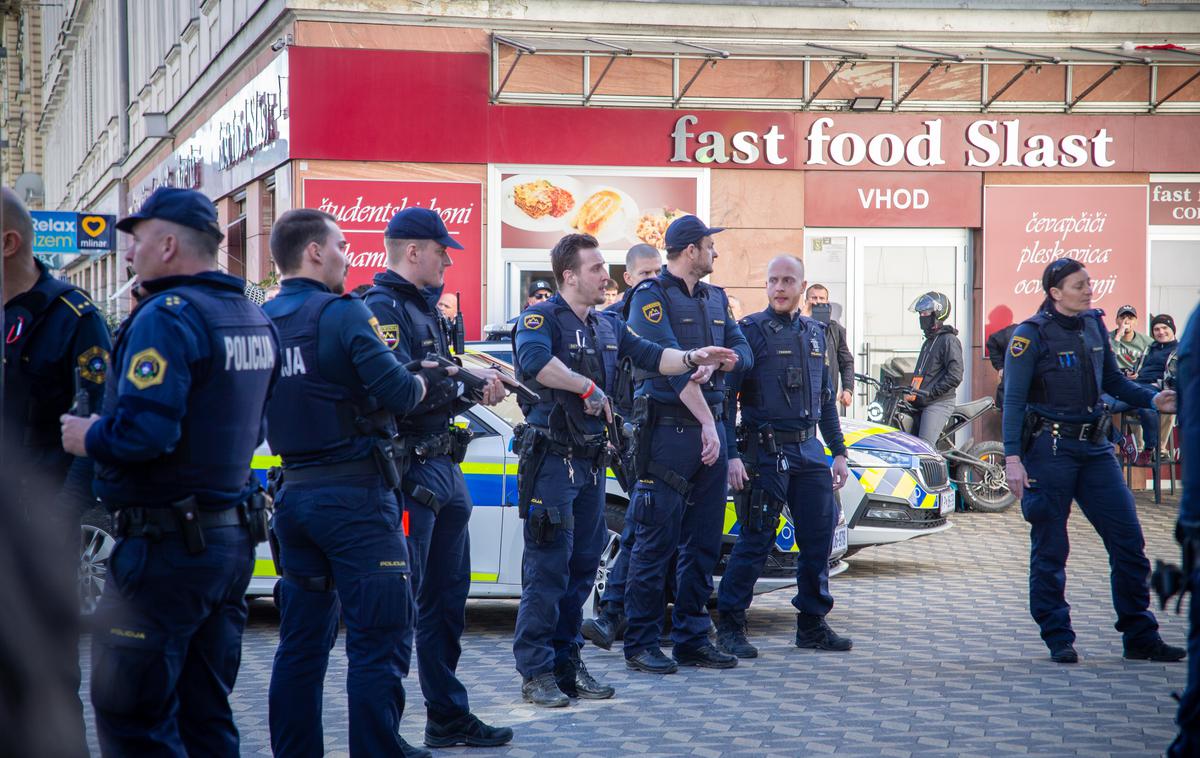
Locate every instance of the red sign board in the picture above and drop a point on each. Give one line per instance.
(459, 125)
(1175, 203)
(364, 207)
(1025, 228)
(893, 199)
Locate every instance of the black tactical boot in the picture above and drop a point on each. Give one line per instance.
(1064, 652)
(543, 690)
(575, 681)
(605, 628)
(412, 751)
(731, 636)
(812, 632)
(704, 655)
(465, 730)
(652, 661)
(1155, 650)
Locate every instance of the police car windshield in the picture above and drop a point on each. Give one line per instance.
(507, 408)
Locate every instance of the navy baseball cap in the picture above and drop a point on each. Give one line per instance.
(688, 230)
(537, 285)
(419, 224)
(181, 206)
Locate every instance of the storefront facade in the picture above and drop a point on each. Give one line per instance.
(970, 192)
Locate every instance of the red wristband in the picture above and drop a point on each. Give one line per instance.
(588, 393)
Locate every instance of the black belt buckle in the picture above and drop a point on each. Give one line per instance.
(187, 513)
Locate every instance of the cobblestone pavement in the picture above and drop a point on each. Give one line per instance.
(946, 661)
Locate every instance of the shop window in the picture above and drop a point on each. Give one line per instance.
(1174, 279)
(235, 241)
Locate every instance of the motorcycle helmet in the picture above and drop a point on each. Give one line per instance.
(935, 302)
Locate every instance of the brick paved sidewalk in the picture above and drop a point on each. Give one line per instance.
(946, 661)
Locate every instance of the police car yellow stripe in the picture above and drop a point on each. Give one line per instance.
(265, 461)
(264, 567)
(861, 434)
(477, 576)
(904, 487)
(870, 478)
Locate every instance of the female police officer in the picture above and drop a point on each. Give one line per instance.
(1057, 449)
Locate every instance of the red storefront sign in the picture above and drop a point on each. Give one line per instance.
(433, 107)
(893, 199)
(1175, 203)
(1025, 228)
(364, 207)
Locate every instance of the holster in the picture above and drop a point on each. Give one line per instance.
(1029, 429)
(384, 454)
(187, 513)
(531, 452)
(545, 523)
(643, 432)
(257, 516)
(460, 439)
(756, 510)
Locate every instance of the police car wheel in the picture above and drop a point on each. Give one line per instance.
(95, 547)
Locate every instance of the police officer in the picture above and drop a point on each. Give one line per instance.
(569, 354)
(1056, 447)
(642, 262)
(338, 522)
(679, 500)
(779, 462)
(1187, 372)
(405, 301)
(56, 346)
(192, 370)
(939, 368)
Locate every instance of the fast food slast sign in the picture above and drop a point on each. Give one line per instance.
(906, 142)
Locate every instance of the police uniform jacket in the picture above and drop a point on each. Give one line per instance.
(337, 371)
(413, 327)
(1057, 367)
(550, 329)
(663, 311)
(52, 331)
(1189, 420)
(193, 367)
(788, 387)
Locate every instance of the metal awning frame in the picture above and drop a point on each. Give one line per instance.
(706, 53)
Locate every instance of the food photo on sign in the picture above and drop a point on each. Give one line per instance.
(536, 209)
(1027, 227)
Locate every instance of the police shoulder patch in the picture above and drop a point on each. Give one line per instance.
(93, 364)
(391, 334)
(147, 369)
(1018, 345)
(78, 302)
(533, 321)
(653, 312)
(374, 322)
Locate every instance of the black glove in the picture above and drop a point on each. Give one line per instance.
(440, 387)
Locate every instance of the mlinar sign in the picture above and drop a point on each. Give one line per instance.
(947, 143)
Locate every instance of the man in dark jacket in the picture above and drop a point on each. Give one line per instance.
(1151, 369)
(939, 368)
(838, 357)
(996, 345)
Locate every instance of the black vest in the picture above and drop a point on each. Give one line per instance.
(785, 382)
(311, 419)
(587, 348)
(223, 415)
(696, 322)
(1069, 373)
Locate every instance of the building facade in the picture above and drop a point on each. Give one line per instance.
(898, 148)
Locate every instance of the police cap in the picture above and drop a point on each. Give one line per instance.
(180, 206)
(688, 230)
(419, 224)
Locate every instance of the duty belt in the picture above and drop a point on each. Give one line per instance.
(429, 445)
(674, 418)
(788, 438)
(140, 521)
(361, 467)
(1064, 430)
(559, 447)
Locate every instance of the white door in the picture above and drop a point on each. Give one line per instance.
(875, 274)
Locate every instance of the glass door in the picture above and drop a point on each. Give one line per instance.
(879, 273)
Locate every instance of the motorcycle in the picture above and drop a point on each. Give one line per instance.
(977, 466)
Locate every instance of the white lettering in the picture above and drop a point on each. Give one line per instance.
(771, 141)
(816, 141)
(977, 139)
(293, 362)
(680, 135)
(745, 147)
(1100, 145)
(1042, 154)
(837, 149)
(713, 150)
(1074, 147)
(254, 352)
(895, 147)
(931, 140)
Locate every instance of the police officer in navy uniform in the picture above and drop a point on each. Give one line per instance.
(642, 262)
(1057, 449)
(1187, 743)
(568, 353)
(404, 300)
(680, 499)
(56, 345)
(338, 520)
(780, 462)
(192, 369)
